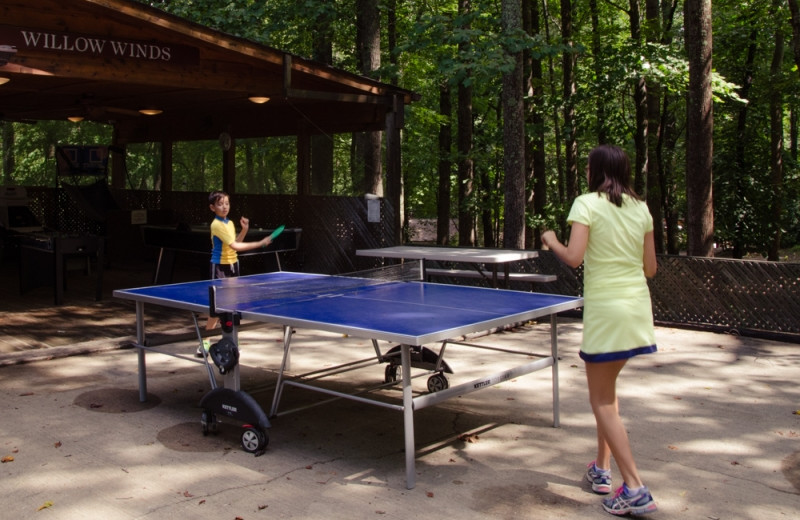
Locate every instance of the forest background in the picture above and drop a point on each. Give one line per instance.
(514, 93)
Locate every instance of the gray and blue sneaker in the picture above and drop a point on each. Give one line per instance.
(600, 478)
(625, 503)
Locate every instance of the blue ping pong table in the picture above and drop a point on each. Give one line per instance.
(409, 313)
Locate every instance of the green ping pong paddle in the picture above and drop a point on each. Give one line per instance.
(276, 232)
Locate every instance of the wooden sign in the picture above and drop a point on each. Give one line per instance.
(98, 46)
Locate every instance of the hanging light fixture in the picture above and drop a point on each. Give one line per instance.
(4, 80)
(258, 100)
(150, 111)
(75, 119)
(6, 53)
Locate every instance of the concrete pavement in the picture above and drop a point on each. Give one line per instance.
(712, 419)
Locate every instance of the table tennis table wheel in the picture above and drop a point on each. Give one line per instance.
(437, 382)
(254, 440)
(209, 422)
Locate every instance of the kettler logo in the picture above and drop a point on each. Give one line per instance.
(229, 408)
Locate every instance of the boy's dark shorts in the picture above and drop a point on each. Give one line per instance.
(224, 270)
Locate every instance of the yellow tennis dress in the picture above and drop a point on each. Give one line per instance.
(617, 313)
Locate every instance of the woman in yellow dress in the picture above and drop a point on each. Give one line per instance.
(612, 235)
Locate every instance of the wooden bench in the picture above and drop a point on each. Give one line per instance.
(474, 273)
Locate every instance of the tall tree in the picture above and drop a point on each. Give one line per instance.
(568, 95)
(466, 165)
(445, 165)
(8, 149)
(668, 136)
(513, 133)
(699, 129)
(639, 102)
(536, 162)
(597, 62)
(654, 197)
(321, 144)
(776, 136)
(368, 45)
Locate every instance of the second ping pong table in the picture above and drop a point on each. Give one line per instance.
(410, 314)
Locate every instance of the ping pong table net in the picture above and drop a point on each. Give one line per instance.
(233, 296)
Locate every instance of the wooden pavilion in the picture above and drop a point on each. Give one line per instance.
(116, 61)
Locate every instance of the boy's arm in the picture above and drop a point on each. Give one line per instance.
(245, 223)
(240, 246)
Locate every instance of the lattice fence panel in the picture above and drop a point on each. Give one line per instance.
(741, 296)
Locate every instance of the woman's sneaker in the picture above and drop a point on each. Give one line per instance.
(600, 479)
(625, 503)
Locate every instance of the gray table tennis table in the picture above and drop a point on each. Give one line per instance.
(410, 314)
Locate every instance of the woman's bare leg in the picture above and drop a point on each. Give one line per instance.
(612, 439)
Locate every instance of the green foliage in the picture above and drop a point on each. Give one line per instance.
(439, 47)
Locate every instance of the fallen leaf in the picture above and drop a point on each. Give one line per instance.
(26, 394)
(187, 494)
(262, 507)
(7, 458)
(201, 502)
(45, 505)
(429, 494)
(672, 447)
(796, 412)
(469, 437)
(57, 444)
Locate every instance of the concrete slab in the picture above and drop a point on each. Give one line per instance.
(712, 419)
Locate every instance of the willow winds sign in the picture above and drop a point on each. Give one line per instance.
(97, 46)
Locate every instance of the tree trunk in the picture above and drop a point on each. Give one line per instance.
(513, 136)
(568, 94)
(597, 52)
(640, 104)
(776, 141)
(557, 131)
(668, 139)
(445, 165)
(8, 153)
(795, 31)
(322, 145)
(368, 45)
(536, 145)
(466, 167)
(699, 129)
(654, 196)
(741, 142)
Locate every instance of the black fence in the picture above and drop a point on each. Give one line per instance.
(754, 298)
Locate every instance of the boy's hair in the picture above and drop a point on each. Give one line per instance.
(610, 173)
(215, 195)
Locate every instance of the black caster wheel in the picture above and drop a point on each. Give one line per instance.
(437, 382)
(209, 422)
(254, 440)
(390, 375)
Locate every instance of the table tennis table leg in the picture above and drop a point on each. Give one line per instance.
(232, 379)
(554, 353)
(140, 339)
(408, 416)
(287, 343)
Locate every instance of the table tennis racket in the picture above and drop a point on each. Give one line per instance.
(277, 232)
